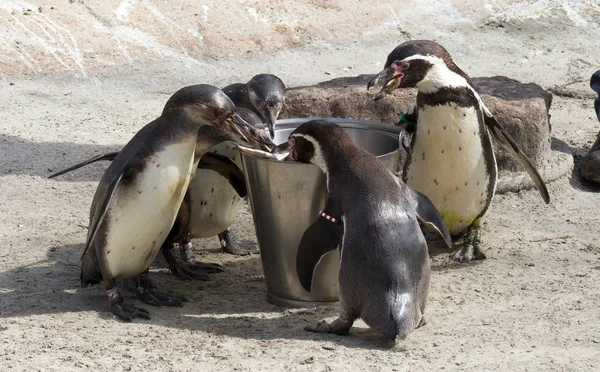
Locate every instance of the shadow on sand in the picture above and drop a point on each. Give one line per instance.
(232, 303)
(44, 158)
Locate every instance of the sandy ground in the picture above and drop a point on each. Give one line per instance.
(533, 305)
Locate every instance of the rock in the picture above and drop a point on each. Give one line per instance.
(521, 108)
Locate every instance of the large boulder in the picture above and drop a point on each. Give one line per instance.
(521, 108)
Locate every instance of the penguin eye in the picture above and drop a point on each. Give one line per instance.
(404, 66)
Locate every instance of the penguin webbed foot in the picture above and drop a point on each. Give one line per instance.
(192, 265)
(339, 327)
(183, 264)
(152, 296)
(128, 312)
(470, 248)
(122, 311)
(232, 245)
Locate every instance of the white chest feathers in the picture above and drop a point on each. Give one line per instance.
(142, 212)
(448, 164)
(214, 202)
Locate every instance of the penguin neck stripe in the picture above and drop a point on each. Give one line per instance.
(329, 218)
(318, 158)
(438, 76)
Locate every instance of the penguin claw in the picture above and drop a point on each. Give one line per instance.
(128, 312)
(184, 266)
(156, 298)
(206, 267)
(339, 326)
(184, 273)
(187, 255)
(321, 327)
(231, 245)
(468, 253)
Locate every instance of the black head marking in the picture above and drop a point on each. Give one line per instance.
(266, 89)
(424, 48)
(266, 93)
(413, 71)
(206, 101)
(318, 138)
(238, 94)
(251, 118)
(409, 63)
(215, 112)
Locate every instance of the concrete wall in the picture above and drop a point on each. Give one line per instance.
(79, 35)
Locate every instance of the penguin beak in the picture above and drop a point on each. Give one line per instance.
(380, 76)
(248, 134)
(280, 149)
(392, 79)
(272, 113)
(390, 85)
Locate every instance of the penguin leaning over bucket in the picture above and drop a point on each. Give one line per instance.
(217, 202)
(450, 159)
(590, 165)
(217, 194)
(373, 217)
(217, 198)
(182, 262)
(139, 196)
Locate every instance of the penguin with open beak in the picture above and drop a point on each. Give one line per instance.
(139, 196)
(451, 159)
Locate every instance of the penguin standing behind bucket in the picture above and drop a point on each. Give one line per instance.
(451, 159)
(139, 196)
(216, 197)
(216, 202)
(264, 94)
(384, 263)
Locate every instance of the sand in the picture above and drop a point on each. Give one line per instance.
(532, 305)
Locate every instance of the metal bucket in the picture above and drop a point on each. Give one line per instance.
(286, 198)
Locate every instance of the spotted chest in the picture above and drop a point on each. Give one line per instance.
(142, 212)
(448, 163)
(214, 202)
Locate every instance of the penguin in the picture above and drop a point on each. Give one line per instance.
(217, 174)
(264, 94)
(374, 218)
(139, 196)
(216, 201)
(450, 157)
(590, 165)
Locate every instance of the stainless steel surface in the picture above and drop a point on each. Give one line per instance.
(286, 198)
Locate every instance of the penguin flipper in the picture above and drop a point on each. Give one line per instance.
(509, 144)
(428, 214)
(226, 168)
(109, 156)
(320, 237)
(100, 212)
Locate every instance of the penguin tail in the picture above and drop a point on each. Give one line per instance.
(402, 317)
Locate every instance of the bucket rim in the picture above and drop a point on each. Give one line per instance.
(388, 129)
